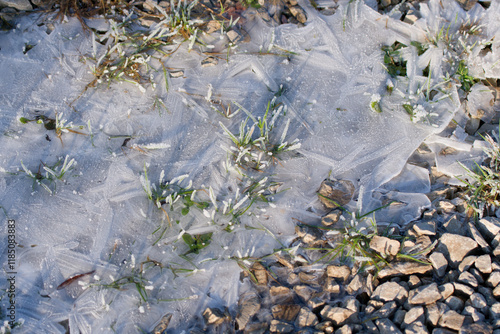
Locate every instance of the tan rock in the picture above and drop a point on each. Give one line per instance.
(385, 246)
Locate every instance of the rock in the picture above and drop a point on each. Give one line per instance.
(385, 246)
(385, 326)
(468, 278)
(298, 13)
(390, 291)
(477, 275)
(279, 291)
(467, 262)
(311, 278)
(386, 311)
(248, 306)
(260, 273)
(360, 284)
(478, 301)
(325, 326)
(426, 294)
(487, 294)
(425, 228)
(433, 313)
(483, 264)
(399, 317)
(455, 247)
(454, 303)
(285, 312)
(337, 193)
(463, 290)
(254, 328)
(339, 316)
(213, 316)
(331, 286)
(452, 320)
(496, 291)
(416, 328)
(176, 74)
(306, 318)
(351, 303)
(493, 279)
(163, 324)
(332, 218)
(446, 290)
(278, 326)
(489, 228)
(17, 4)
(473, 313)
(495, 311)
(209, 61)
(477, 328)
(467, 4)
(212, 26)
(316, 303)
(439, 263)
(404, 269)
(496, 251)
(414, 314)
(445, 207)
(233, 36)
(309, 235)
(455, 226)
(304, 292)
(346, 329)
(442, 331)
(479, 238)
(339, 272)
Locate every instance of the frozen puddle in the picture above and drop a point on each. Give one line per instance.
(330, 79)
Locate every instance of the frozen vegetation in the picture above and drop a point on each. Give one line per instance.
(149, 178)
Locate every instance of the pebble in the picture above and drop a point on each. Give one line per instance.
(390, 291)
(439, 263)
(426, 294)
(455, 247)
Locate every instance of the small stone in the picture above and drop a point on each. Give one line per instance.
(331, 286)
(410, 18)
(416, 328)
(399, 317)
(309, 278)
(477, 328)
(454, 303)
(385, 326)
(260, 273)
(477, 275)
(298, 13)
(234, 37)
(278, 326)
(473, 313)
(445, 207)
(496, 251)
(17, 4)
(426, 294)
(339, 272)
(483, 264)
(455, 247)
(384, 245)
(463, 290)
(339, 316)
(452, 320)
(386, 311)
(278, 291)
(285, 312)
(213, 26)
(433, 312)
(414, 281)
(332, 218)
(494, 279)
(351, 303)
(446, 290)
(316, 303)
(360, 284)
(337, 193)
(479, 238)
(306, 318)
(325, 326)
(414, 314)
(404, 269)
(425, 228)
(439, 263)
(346, 329)
(478, 301)
(466, 263)
(496, 291)
(489, 228)
(163, 324)
(442, 331)
(487, 294)
(390, 291)
(304, 292)
(209, 61)
(213, 316)
(468, 278)
(495, 311)
(308, 235)
(248, 306)
(455, 225)
(176, 74)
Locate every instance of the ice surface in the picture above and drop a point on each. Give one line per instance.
(100, 218)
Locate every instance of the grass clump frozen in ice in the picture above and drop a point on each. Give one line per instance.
(58, 124)
(483, 181)
(47, 176)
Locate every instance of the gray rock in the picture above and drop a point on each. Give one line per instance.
(385, 246)
(248, 306)
(331, 286)
(325, 326)
(310, 278)
(477, 275)
(445, 207)
(316, 303)
(360, 284)
(433, 313)
(467, 262)
(493, 279)
(467, 278)
(489, 228)
(17, 4)
(439, 263)
(213, 316)
(483, 264)
(351, 303)
(477, 328)
(306, 318)
(298, 13)
(339, 316)
(426, 294)
(455, 247)
(454, 303)
(487, 294)
(385, 326)
(455, 225)
(473, 313)
(478, 301)
(479, 238)
(278, 326)
(332, 218)
(370, 326)
(390, 291)
(463, 290)
(414, 281)
(339, 272)
(442, 331)
(399, 317)
(452, 320)
(404, 269)
(416, 328)
(311, 236)
(334, 193)
(286, 312)
(496, 291)
(386, 311)
(495, 311)
(425, 228)
(446, 290)
(304, 292)
(414, 314)
(346, 329)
